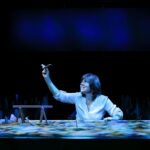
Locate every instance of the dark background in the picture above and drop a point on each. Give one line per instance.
(110, 39)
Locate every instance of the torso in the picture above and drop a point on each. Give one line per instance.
(88, 103)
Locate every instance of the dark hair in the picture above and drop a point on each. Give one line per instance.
(94, 82)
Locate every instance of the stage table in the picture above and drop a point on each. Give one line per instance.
(72, 129)
(75, 135)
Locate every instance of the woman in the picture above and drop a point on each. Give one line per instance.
(90, 104)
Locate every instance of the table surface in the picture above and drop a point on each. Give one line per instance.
(72, 129)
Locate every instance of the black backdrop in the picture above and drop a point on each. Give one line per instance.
(121, 73)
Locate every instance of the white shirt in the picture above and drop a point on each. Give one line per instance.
(97, 109)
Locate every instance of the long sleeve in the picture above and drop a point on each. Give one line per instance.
(113, 110)
(66, 97)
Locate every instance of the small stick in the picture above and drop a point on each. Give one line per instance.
(45, 66)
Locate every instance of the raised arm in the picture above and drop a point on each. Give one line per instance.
(46, 75)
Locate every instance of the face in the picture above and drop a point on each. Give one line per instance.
(84, 87)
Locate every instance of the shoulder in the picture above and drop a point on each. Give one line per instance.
(101, 96)
(78, 94)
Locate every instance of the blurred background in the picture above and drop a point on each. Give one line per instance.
(110, 39)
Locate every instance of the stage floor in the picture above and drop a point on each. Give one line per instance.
(72, 129)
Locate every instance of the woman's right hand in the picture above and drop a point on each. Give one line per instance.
(45, 74)
(45, 71)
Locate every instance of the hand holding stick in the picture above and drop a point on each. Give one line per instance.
(45, 66)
